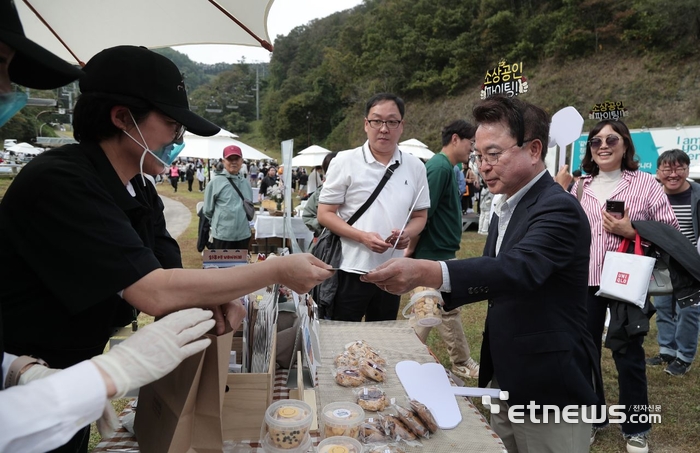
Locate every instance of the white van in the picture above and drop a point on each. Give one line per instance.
(9, 142)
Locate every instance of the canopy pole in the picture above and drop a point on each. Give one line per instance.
(36, 13)
(262, 42)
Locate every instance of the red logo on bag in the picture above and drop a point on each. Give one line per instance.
(622, 278)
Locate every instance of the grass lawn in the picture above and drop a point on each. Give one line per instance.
(679, 398)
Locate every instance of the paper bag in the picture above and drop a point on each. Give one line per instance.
(208, 428)
(182, 412)
(625, 276)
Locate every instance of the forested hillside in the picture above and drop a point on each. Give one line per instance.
(435, 53)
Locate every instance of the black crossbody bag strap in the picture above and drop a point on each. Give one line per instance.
(237, 189)
(370, 200)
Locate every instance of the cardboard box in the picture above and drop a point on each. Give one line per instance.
(247, 397)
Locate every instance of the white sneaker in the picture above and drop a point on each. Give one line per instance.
(467, 370)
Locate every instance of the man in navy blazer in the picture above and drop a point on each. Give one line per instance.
(534, 273)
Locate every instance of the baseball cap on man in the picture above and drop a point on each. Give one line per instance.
(136, 72)
(32, 66)
(232, 150)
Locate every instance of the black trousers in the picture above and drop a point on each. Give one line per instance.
(78, 444)
(189, 184)
(218, 244)
(631, 367)
(173, 182)
(356, 299)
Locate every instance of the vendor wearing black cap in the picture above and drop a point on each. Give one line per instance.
(86, 233)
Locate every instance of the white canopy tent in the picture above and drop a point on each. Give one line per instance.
(417, 148)
(310, 157)
(213, 147)
(87, 26)
(25, 148)
(314, 149)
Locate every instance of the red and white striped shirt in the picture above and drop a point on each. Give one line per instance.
(644, 198)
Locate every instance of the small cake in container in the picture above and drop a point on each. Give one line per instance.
(288, 423)
(342, 419)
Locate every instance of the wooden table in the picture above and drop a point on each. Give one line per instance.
(397, 341)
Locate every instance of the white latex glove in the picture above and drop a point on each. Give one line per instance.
(109, 422)
(156, 350)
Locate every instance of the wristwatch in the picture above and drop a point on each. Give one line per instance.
(19, 366)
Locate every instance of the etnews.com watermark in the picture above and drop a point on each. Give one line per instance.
(546, 413)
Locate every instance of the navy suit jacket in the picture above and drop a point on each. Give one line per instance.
(535, 341)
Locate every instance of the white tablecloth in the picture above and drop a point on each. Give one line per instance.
(267, 226)
(256, 190)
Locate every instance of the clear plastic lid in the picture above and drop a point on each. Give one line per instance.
(286, 414)
(339, 444)
(342, 414)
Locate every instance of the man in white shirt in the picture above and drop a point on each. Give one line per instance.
(377, 235)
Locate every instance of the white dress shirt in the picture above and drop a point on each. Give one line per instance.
(504, 207)
(46, 413)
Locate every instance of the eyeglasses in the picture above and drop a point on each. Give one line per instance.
(180, 132)
(179, 128)
(390, 124)
(610, 140)
(668, 171)
(492, 158)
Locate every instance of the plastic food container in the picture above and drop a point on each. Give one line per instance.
(342, 419)
(426, 307)
(339, 444)
(269, 447)
(288, 423)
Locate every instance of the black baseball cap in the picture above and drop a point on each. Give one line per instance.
(135, 72)
(32, 66)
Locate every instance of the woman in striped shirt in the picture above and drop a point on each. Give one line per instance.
(612, 174)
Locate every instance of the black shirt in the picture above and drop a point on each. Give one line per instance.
(74, 238)
(267, 182)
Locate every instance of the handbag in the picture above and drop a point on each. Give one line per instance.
(203, 231)
(329, 250)
(248, 205)
(660, 283)
(626, 276)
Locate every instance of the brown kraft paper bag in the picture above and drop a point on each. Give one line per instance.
(181, 413)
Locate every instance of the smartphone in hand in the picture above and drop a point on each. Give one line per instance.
(615, 208)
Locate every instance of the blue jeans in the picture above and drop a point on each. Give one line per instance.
(678, 328)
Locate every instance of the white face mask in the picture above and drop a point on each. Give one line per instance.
(165, 155)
